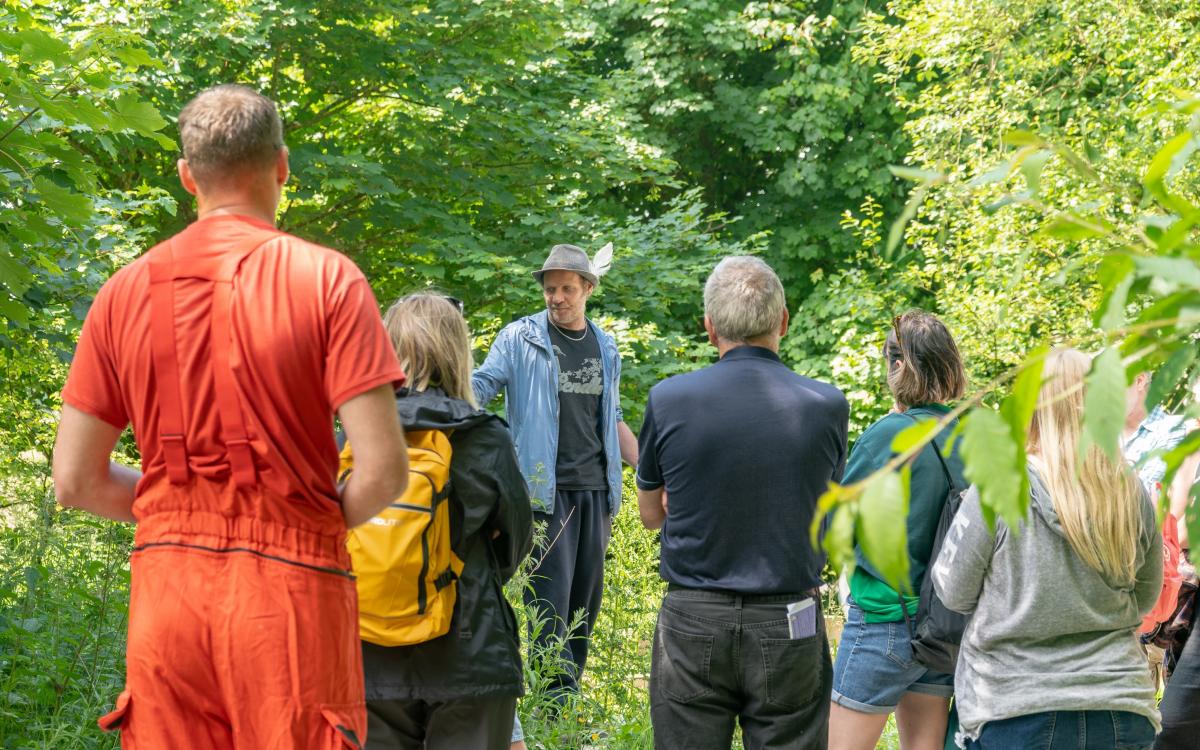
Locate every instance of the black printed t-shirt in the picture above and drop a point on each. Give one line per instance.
(580, 463)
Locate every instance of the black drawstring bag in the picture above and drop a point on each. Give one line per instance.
(938, 631)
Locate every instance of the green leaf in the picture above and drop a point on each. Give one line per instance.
(1104, 404)
(13, 311)
(1179, 271)
(1116, 277)
(826, 503)
(1164, 163)
(1017, 410)
(1022, 138)
(896, 233)
(134, 57)
(1032, 166)
(915, 174)
(1018, 406)
(914, 434)
(1177, 233)
(1175, 457)
(14, 275)
(996, 174)
(1191, 514)
(1006, 200)
(1069, 226)
(1169, 375)
(839, 539)
(138, 116)
(990, 457)
(69, 206)
(1081, 166)
(882, 527)
(1113, 305)
(37, 45)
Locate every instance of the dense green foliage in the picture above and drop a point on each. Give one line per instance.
(452, 142)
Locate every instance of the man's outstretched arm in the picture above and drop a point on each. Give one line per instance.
(84, 475)
(380, 454)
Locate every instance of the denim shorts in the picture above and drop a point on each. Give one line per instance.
(874, 667)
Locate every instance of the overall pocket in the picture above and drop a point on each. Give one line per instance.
(347, 725)
(119, 716)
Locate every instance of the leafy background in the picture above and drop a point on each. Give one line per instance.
(1045, 195)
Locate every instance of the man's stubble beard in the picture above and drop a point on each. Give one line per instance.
(573, 325)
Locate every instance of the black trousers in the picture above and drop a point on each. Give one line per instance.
(569, 577)
(720, 658)
(482, 723)
(1180, 705)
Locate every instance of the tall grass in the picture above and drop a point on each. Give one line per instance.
(64, 596)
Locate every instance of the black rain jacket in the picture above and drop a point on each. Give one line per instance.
(480, 656)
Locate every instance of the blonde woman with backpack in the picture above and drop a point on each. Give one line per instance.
(457, 690)
(1049, 658)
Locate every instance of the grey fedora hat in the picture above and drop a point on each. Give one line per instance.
(568, 258)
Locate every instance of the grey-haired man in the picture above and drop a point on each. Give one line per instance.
(560, 375)
(744, 447)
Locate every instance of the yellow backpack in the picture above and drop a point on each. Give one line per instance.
(406, 571)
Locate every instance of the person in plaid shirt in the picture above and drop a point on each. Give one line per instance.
(1146, 433)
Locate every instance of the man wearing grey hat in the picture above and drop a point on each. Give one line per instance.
(560, 374)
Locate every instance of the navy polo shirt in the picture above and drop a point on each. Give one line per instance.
(744, 448)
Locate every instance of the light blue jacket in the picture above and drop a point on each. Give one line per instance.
(523, 364)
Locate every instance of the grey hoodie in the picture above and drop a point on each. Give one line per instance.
(1047, 633)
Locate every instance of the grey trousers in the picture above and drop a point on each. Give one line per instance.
(483, 723)
(721, 658)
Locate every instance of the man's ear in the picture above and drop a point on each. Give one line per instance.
(712, 332)
(783, 324)
(186, 178)
(282, 168)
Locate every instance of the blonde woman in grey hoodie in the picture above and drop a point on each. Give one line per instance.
(1049, 658)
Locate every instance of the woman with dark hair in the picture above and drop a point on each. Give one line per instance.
(875, 673)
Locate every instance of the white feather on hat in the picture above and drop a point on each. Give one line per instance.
(602, 262)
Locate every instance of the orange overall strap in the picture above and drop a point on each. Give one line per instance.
(163, 272)
(233, 422)
(166, 365)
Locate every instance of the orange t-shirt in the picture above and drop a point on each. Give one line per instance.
(307, 337)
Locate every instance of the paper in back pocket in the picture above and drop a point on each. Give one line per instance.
(802, 619)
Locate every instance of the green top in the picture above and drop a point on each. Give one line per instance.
(928, 489)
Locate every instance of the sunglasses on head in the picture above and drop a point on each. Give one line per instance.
(896, 328)
(458, 304)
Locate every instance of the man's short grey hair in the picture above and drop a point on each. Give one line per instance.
(743, 298)
(228, 128)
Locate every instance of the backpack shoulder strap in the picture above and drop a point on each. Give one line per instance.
(164, 270)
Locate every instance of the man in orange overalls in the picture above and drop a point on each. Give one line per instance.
(229, 347)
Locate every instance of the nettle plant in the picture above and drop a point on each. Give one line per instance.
(1147, 320)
